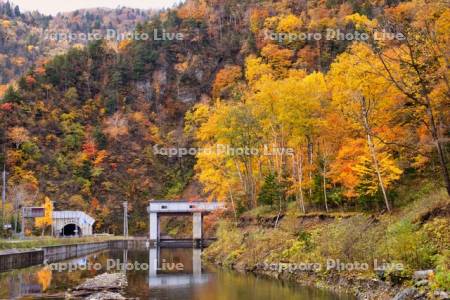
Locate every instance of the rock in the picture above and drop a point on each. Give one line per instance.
(105, 296)
(441, 295)
(422, 282)
(423, 274)
(422, 296)
(101, 287)
(397, 277)
(407, 294)
(104, 281)
(381, 274)
(199, 75)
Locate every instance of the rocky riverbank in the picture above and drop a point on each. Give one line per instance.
(361, 288)
(101, 287)
(380, 253)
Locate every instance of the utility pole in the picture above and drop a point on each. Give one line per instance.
(22, 228)
(3, 192)
(125, 219)
(52, 225)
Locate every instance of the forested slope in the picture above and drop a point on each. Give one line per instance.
(358, 117)
(27, 38)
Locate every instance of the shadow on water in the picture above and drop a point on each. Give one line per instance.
(156, 273)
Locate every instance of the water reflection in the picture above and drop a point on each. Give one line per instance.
(17, 286)
(42, 279)
(164, 271)
(160, 280)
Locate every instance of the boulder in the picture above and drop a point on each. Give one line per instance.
(407, 294)
(441, 295)
(422, 282)
(422, 274)
(106, 296)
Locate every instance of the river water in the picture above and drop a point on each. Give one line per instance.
(163, 273)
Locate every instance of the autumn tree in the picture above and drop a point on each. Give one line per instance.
(364, 97)
(47, 219)
(18, 136)
(416, 63)
(419, 66)
(225, 79)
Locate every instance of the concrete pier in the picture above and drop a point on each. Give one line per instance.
(196, 209)
(154, 228)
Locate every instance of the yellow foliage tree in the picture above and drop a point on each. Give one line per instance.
(47, 219)
(289, 23)
(366, 99)
(368, 181)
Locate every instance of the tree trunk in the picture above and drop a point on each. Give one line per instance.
(325, 185)
(3, 192)
(373, 152)
(279, 214)
(233, 205)
(310, 162)
(300, 181)
(16, 220)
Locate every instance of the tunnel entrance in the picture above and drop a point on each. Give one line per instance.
(71, 230)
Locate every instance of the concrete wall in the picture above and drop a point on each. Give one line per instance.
(140, 244)
(20, 259)
(57, 253)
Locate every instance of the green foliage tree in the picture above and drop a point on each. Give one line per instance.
(272, 191)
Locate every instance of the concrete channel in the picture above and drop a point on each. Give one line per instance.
(22, 258)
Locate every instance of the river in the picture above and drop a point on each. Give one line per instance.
(162, 273)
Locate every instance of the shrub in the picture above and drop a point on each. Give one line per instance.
(229, 238)
(346, 239)
(442, 278)
(437, 233)
(405, 243)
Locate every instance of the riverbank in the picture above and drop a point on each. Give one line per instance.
(362, 288)
(370, 256)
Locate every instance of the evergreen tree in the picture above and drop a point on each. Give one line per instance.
(271, 191)
(17, 11)
(11, 95)
(8, 10)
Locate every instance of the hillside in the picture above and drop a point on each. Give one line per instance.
(370, 256)
(87, 121)
(81, 127)
(27, 38)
